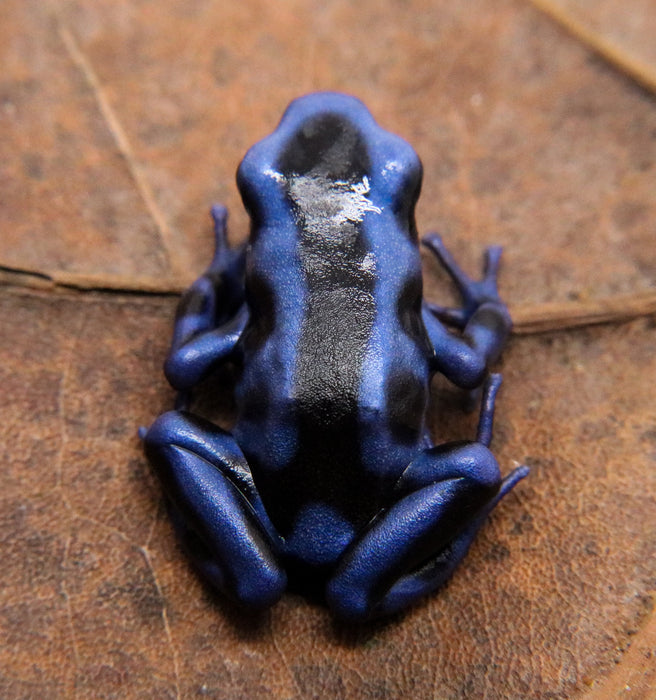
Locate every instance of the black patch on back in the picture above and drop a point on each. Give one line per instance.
(262, 310)
(408, 311)
(406, 405)
(405, 392)
(335, 333)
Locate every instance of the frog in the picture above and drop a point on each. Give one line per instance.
(329, 484)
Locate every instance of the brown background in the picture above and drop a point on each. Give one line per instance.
(121, 123)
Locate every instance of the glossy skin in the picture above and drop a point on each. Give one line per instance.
(329, 482)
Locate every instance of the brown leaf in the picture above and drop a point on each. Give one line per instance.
(621, 32)
(525, 140)
(122, 122)
(97, 599)
(70, 201)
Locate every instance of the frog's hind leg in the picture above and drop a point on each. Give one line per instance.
(413, 547)
(216, 507)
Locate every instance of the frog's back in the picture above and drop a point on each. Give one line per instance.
(334, 287)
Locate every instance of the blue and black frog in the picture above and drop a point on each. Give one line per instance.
(329, 483)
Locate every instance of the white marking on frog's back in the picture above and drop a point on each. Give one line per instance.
(326, 204)
(368, 264)
(273, 174)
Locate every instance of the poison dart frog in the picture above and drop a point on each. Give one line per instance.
(329, 483)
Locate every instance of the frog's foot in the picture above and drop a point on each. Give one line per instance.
(227, 262)
(216, 508)
(210, 316)
(413, 547)
(474, 293)
(218, 292)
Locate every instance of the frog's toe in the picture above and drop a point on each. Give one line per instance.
(434, 243)
(492, 260)
(346, 602)
(221, 249)
(219, 215)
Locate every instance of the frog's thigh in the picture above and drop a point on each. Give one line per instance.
(207, 481)
(414, 547)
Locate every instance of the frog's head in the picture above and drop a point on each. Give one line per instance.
(329, 143)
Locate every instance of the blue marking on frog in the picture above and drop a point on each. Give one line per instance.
(329, 482)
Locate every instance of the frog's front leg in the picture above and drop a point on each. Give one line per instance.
(413, 547)
(483, 319)
(211, 314)
(220, 515)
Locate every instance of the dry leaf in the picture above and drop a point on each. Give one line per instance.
(122, 123)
